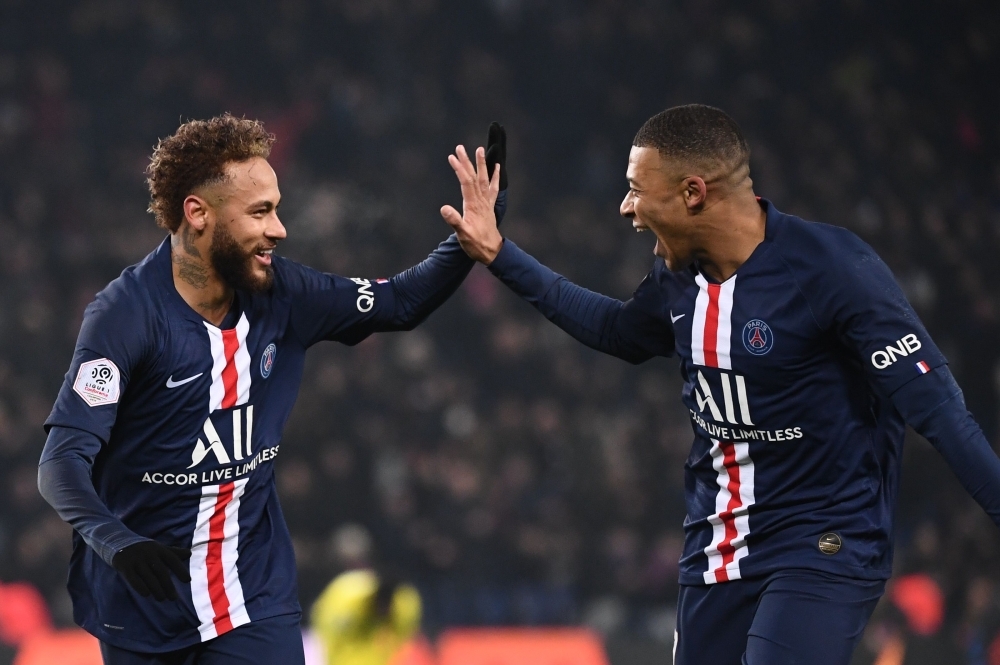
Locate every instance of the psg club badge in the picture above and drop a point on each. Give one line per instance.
(267, 360)
(757, 337)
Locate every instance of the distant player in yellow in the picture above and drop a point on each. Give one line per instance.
(362, 620)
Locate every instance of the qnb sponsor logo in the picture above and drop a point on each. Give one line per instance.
(366, 297)
(902, 348)
(704, 397)
(241, 440)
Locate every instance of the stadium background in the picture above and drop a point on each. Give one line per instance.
(515, 476)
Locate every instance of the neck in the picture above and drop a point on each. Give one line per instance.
(196, 281)
(731, 231)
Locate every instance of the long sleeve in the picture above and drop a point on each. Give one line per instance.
(934, 406)
(634, 331)
(330, 307)
(64, 481)
(426, 286)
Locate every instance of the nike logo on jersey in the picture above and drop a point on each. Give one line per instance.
(173, 384)
(675, 319)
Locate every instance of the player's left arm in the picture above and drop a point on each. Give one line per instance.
(935, 407)
(873, 317)
(329, 307)
(423, 288)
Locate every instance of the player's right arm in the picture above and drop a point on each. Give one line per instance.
(636, 330)
(112, 345)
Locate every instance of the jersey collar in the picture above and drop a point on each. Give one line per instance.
(165, 281)
(771, 227)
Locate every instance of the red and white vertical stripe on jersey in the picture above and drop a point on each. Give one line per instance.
(711, 328)
(731, 521)
(231, 366)
(215, 577)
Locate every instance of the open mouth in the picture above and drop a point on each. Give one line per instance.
(639, 226)
(264, 256)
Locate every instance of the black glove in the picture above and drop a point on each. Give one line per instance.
(147, 565)
(496, 152)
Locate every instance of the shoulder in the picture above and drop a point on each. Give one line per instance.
(816, 239)
(128, 306)
(836, 271)
(125, 296)
(291, 277)
(817, 250)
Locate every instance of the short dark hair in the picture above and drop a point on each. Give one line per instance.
(696, 133)
(195, 155)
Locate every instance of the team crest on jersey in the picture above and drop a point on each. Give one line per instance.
(97, 382)
(757, 337)
(267, 360)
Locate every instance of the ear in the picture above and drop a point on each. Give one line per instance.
(695, 192)
(196, 212)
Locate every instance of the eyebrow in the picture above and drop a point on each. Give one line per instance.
(268, 206)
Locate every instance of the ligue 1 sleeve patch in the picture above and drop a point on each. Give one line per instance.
(98, 382)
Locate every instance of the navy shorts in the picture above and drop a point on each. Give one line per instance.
(791, 617)
(265, 642)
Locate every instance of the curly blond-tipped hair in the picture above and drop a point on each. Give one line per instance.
(195, 155)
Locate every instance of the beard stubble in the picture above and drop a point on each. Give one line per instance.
(235, 265)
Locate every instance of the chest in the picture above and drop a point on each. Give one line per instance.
(202, 367)
(757, 325)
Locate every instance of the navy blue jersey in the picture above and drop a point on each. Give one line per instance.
(790, 367)
(190, 416)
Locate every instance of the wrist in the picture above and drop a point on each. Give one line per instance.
(493, 251)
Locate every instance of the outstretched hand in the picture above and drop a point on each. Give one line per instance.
(476, 227)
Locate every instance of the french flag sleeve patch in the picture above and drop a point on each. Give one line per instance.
(923, 367)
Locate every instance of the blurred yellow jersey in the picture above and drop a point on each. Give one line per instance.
(345, 620)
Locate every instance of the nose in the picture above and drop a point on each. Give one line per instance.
(276, 230)
(627, 208)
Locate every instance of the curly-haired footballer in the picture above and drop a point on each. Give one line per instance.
(162, 440)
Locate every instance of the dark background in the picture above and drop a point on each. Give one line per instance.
(518, 477)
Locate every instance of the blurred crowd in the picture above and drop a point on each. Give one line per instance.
(516, 477)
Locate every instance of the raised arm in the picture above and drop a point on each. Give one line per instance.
(330, 307)
(423, 288)
(635, 330)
